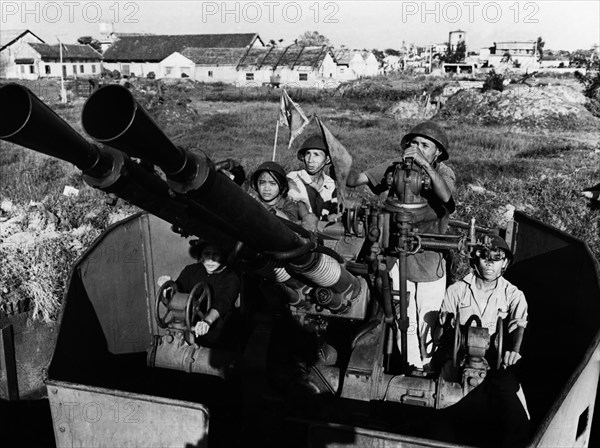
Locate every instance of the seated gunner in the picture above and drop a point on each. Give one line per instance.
(224, 285)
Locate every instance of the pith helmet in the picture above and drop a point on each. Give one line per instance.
(275, 170)
(315, 141)
(433, 132)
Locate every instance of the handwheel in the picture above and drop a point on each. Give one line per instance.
(499, 341)
(164, 297)
(200, 294)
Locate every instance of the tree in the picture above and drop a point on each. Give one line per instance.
(458, 55)
(89, 40)
(312, 39)
(392, 52)
(539, 45)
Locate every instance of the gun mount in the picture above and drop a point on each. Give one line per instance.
(320, 366)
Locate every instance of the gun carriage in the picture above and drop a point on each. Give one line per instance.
(308, 365)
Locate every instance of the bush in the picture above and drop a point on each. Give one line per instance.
(151, 75)
(493, 81)
(591, 89)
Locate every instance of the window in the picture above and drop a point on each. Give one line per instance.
(303, 76)
(210, 74)
(74, 69)
(22, 69)
(48, 70)
(331, 75)
(125, 70)
(341, 69)
(249, 76)
(81, 70)
(31, 69)
(93, 68)
(168, 70)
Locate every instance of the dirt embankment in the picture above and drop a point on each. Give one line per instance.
(521, 105)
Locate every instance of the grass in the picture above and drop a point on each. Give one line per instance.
(539, 171)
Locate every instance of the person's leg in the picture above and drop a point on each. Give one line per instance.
(413, 349)
(429, 299)
(512, 419)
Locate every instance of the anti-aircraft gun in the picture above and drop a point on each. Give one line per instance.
(283, 382)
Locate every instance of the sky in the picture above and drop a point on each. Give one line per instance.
(566, 25)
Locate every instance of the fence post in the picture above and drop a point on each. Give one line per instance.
(8, 362)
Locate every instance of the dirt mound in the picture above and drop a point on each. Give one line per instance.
(537, 106)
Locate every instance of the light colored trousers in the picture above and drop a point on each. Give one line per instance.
(424, 303)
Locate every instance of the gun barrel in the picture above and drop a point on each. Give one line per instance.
(27, 121)
(112, 116)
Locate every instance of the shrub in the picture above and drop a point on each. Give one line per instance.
(151, 75)
(493, 81)
(591, 89)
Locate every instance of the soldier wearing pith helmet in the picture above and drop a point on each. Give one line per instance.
(311, 185)
(426, 144)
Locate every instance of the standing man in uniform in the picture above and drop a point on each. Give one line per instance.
(427, 145)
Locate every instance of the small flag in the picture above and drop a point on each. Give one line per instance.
(340, 158)
(291, 116)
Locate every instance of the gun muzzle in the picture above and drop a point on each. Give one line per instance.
(27, 121)
(112, 116)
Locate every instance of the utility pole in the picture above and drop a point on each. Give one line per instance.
(63, 91)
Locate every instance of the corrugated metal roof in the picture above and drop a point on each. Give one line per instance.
(69, 52)
(214, 56)
(157, 47)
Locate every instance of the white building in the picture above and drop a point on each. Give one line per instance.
(142, 54)
(203, 64)
(514, 53)
(292, 66)
(10, 42)
(39, 60)
(455, 37)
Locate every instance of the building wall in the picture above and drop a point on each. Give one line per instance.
(526, 62)
(211, 73)
(174, 65)
(140, 69)
(357, 65)
(72, 69)
(8, 68)
(371, 65)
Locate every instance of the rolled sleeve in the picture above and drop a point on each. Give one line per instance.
(517, 306)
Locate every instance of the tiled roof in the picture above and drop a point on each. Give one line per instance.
(292, 56)
(214, 56)
(69, 51)
(157, 47)
(7, 37)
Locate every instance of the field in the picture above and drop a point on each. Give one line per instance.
(538, 168)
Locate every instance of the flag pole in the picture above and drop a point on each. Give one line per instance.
(275, 142)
